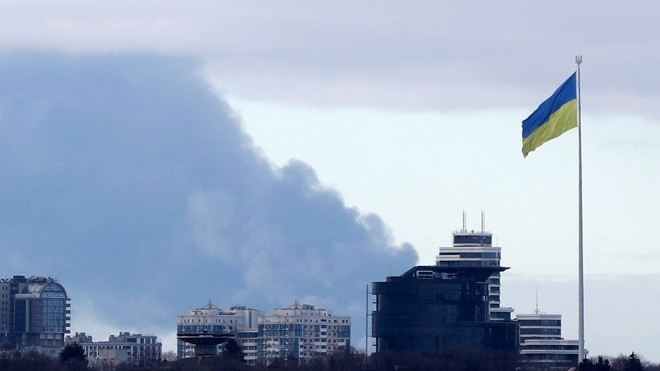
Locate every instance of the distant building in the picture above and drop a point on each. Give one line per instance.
(541, 344)
(475, 249)
(455, 303)
(302, 332)
(203, 331)
(298, 332)
(134, 349)
(432, 308)
(34, 313)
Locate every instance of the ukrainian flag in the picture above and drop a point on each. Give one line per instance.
(555, 116)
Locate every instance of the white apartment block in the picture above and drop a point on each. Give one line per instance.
(299, 332)
(238, 322)
(302, 332)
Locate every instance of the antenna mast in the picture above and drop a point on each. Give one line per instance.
(536, 311)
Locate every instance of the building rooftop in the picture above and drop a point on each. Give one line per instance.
(436, 272)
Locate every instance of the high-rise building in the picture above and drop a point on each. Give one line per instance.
(302, 332)
(297, 332)
(541, 344)
(203, 331)
(429, 309)
(34, 313)
(475, 249)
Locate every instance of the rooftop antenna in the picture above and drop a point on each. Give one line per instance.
(483, 222)
(536, 311)
(464, 229)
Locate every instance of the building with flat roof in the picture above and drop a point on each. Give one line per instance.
(541, 346)
(34, 313)
(433, 308)
(135, 349)
(300, 332)
(203, 331)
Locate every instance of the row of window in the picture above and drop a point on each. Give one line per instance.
(214, 329)
(301, 320)
(540, 331)
(544, 322)
(473, 255)
(206, 320)
(284, 341)
(297, 327)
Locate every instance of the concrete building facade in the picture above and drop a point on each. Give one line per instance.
(203, 331)
(302, 332)
(298, 332)
(542, 347)
(135, 349)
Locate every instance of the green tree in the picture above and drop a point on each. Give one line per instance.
(169, 356)
(601, 364)
(231, 349)
(633, 363)
(73, 356)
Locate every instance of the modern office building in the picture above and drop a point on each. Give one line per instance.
(475, 249)
(541, 344)
(203, 331)
(433, 308)
(34, 313)
(135, 349)
(302, 332)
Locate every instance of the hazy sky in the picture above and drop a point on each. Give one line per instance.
(166, 131)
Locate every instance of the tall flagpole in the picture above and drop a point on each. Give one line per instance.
(578, 60)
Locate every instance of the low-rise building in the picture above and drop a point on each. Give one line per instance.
(134, 349)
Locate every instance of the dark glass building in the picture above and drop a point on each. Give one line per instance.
(432, 308)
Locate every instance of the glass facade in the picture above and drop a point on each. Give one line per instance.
(40, 312)
(425, 315)
(475, 249)
(53, 306)
(473, 239)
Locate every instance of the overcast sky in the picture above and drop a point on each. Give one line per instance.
(397, 116)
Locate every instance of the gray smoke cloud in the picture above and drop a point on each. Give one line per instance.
(127, 179)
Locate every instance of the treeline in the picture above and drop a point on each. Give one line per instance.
(73, 358)
(632, 362)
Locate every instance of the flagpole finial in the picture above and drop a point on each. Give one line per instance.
(578, 59)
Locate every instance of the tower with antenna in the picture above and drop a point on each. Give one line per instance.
(541, 345)
(472, 248)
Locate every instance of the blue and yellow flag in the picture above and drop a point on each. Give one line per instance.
(555, 116)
